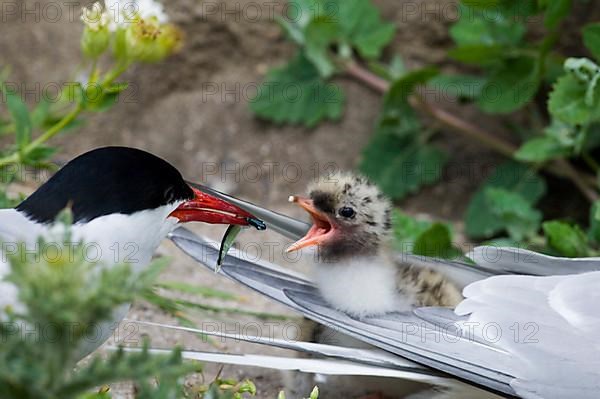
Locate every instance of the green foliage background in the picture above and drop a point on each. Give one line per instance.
(491, 37)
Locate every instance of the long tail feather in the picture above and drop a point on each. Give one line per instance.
(305, 365)
(365, 356)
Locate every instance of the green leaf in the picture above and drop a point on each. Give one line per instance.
(401, 168)
(293, 31)
(422, 237)
(436, 241)
(406, 229)
(319, 24)
(398, 118)
(480, 221)
(502, 242)
(510, 86)
(460, 86)
(483, 4)
(516, 213)
(478, 54)
(20, 115)
(319, 34)
(541, 149)
(568, 240)
(6, 201)
(40, 112)
(564, 134)
(197, 290)
(6, 127)
(556, 11)
(116, 87)
(567, 102)
(403, 87)
(397, 67)
(39, 155)
(488, 28)
(297, 94)
(594, 230)
(362, 26)
(591, 139)
(101, 99)
(51, 120)
(591, 39)
(394, 158)
(587, 72)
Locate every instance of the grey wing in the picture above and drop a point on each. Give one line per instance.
(492, 261)
(404, 334)
(506, 260)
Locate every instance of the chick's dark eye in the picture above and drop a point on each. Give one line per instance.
(346, 212)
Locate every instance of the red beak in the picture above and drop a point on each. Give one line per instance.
(209, 209)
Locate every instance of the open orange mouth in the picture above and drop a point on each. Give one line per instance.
(321, 230)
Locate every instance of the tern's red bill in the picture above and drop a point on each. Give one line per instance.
(210, 209)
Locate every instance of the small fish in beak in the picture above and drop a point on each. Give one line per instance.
(209, 206)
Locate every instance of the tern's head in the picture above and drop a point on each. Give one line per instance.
(350, 216)
(125, 181)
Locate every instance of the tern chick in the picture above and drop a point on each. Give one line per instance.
(357, 271)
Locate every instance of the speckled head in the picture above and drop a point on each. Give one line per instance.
(350, 216)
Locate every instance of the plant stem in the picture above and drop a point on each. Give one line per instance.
(465, 127)
(115, 73)
(446, 118)
(47, 135)
(54, 130)
(561, 168)
(571, 173)
(68, 118)
(367, 77)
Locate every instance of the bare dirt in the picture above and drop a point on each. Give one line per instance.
(192, 110)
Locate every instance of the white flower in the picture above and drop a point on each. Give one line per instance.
(152, 8)
(95, 17)
(123, 12)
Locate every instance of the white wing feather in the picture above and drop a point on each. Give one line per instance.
(548, 325)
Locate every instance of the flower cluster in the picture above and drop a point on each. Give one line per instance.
(137, 30)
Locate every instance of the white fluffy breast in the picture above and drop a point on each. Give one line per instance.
(364, 286)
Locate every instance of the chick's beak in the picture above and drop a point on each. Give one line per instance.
(321, 231)
(207, 208)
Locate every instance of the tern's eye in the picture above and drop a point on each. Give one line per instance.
(346, 212)
(169, 194)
